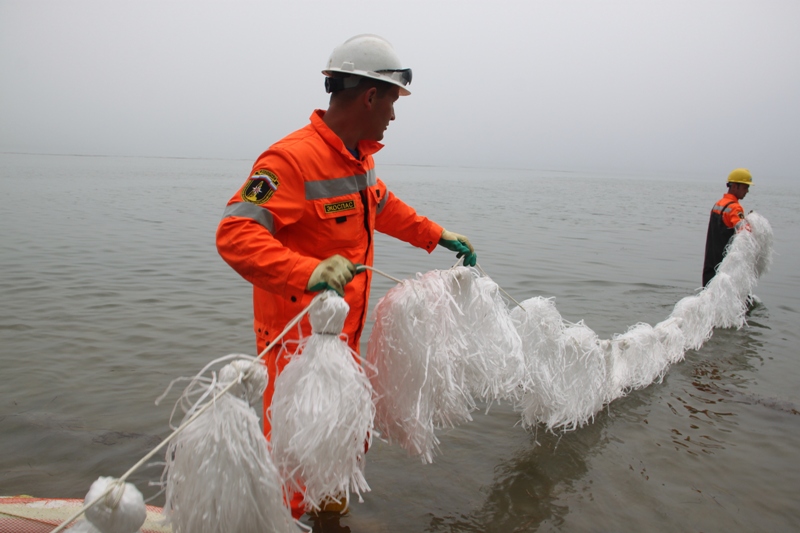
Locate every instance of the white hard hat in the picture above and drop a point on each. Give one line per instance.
(369, 56)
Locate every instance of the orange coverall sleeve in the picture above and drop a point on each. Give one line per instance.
(735, 218)
(250, 247)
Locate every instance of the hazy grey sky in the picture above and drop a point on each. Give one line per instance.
(643, 86)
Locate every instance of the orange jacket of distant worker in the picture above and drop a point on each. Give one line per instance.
(307, 199)
(727, 219)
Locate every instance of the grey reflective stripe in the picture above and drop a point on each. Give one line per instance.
(316, 190)
(251, 211)
(382, 203)
(740, 224)
(723, 208)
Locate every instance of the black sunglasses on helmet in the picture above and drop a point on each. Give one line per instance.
(402, 76)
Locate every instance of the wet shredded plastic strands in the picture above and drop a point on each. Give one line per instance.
(422, 346)
(566, 381)
(642, 355)
(219, 476)
(244, 380)
(569, 374)
(322, 412)
(724, 300)
(493, 360)
(413, 350)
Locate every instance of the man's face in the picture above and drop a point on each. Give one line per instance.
(383, 112)
(740, 190)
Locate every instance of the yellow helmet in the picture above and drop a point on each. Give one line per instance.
(740, 175)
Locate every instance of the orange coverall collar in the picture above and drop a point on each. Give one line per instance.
(365, 148)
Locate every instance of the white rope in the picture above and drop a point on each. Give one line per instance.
(361, 268)
(482, 271)
(183, 426)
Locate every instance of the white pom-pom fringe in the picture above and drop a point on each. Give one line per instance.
(219, 476)
(413, 353)
(429, 362)
(638, 357)
(493, 360)
(723, 302)
(322, 412)
(565, 382)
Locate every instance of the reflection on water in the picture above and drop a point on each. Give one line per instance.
(723, 370)
(525, 491)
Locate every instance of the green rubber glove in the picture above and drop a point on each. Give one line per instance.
(333, 273)
(459, 244)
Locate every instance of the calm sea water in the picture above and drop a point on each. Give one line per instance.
(111, 287)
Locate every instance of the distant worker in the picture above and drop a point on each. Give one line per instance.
(727, 219)
(307, 213)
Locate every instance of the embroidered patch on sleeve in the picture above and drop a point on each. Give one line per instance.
(260, 187)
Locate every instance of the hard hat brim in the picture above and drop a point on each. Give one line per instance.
(372, 75)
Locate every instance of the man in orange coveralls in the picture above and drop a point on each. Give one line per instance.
(727, 219)
(307, 213)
